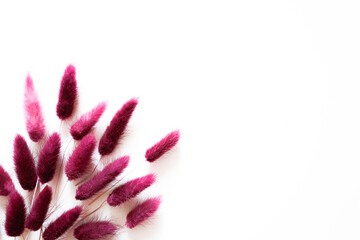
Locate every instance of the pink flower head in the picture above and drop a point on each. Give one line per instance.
(6, 184)
(130, 189)
(34, 119)
(83, 126)
(160, 148)
(142, 212)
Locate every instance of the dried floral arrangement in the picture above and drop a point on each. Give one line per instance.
(34, 173)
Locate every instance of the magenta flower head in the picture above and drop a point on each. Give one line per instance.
(116, 129)
(67, 94)
(94, 230)
(39, 210)
(6, 184)
(48, 158)
(35, 125)
(160, 148)
(57, 228)
(24, 164)
(80, 159)
(85, 123)
(142, 212)
(15, 215)
(102, 179)
(130, 190)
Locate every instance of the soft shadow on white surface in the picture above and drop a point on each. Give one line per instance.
(150, 228)
(266, 94)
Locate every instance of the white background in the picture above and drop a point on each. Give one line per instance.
(265, 93)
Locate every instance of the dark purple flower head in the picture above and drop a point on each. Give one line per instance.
(94, 230)
(39, 210)
(116, 129)
(67, 94)
(102, 179)
(58, 227)
(24, 164)
(48, 158)
(15, 215)
(80, 159)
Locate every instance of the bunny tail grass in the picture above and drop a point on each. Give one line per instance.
(130, 190)
(160, 148)
(116, 128)
(34, 119)
(58, 227)
(48, 158)
(39, 210)
(24, 164)
(101, 179)
(6, 184)
(15, 215)
(95, 230)
(80, 159)
(85, 123)
(142, 212)
(67, 93)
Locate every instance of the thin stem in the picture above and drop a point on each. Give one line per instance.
(27, 235)
(89, 175)
(35, 190)
(41, 231)
(32, 202)
(63, 188)
(61, 165)
(94, 210)
(58, 177)
(61, 171)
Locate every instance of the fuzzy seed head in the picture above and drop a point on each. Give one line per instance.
(102, 179)
(24, 164)
(6, 184)
(48, 158)
(67, 93)
(130, 190)
(116, 129)
(94, 230)
(15, 215)
(58, 227)
(160, 148)
(39, 210)
(34, 119)
(80, 159)
(142, 212)
(84, 125)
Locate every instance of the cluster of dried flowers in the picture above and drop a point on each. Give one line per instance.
(31, 173)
